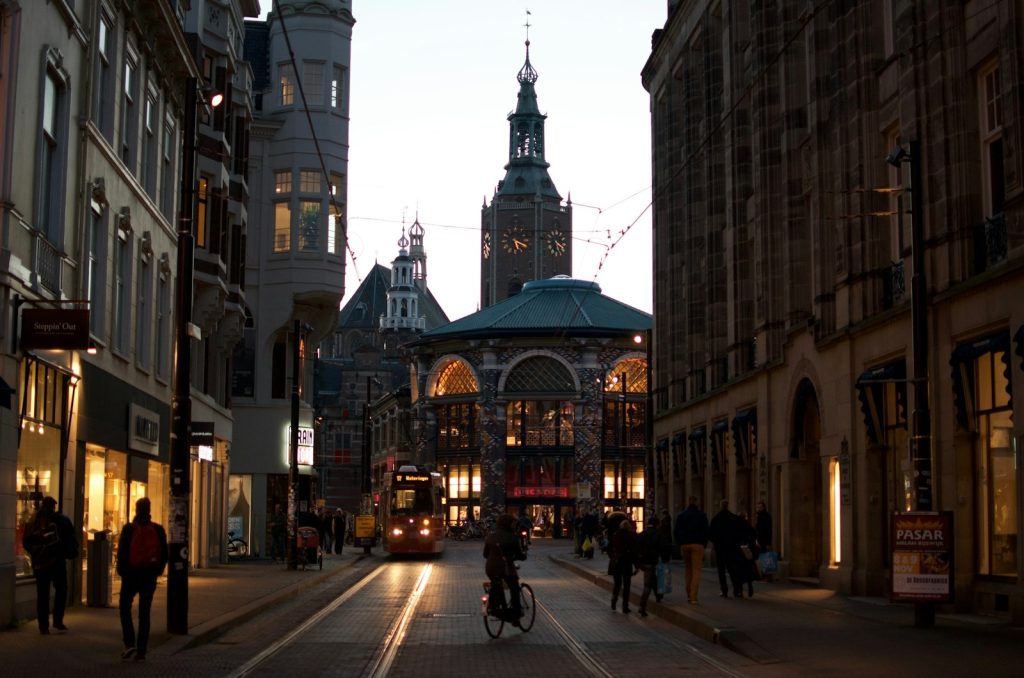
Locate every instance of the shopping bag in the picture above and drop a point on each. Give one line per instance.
(663, 577)
(769, 562)
(586, 544)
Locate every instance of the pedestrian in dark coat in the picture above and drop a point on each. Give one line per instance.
(623, 549)
(722, 532)
(591, 528)
(49, 539)
(692, 537)
(655, 546)
(141, 558)
(337, 522)
(763, 527)
(747, 538)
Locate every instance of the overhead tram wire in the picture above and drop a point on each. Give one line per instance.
(316, 142)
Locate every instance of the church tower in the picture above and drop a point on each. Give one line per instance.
(526, 230)
(403, 312)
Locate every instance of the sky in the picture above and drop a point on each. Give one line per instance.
(432, 84)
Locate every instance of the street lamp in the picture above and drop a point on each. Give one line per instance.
(181, 405)
(920, 431)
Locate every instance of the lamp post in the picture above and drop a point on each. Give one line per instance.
(181, 404)
(920, 423)
(181, 409)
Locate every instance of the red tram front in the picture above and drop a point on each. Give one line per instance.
(412, 516)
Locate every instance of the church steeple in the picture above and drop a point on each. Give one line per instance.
(403, 296)
(418, 255)
(527, 171)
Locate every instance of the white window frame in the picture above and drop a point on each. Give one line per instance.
(106, 51)
(129, 112)
(162, 352)
(150, 139)
(120, 316)
(990, 102)
(286, 83)
(168, 159)
(143, 312)
(313, 82)
(52, 149)
(337, 87)
(96, 267)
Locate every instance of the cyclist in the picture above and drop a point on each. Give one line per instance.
(501, 549)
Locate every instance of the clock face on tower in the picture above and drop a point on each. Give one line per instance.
(515, 239)
(555, 242)
(487, 245)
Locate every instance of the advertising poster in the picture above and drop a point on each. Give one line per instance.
(922, 557)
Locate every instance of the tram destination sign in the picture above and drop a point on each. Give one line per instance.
(922, 557)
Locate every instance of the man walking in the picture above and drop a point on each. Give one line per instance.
(723, 534)
(141, 558)
(692, 536)
(50, 540)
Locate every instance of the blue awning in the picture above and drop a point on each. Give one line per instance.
(679, 439)
(744, 420)
(697, 450)
(962, 363)
(662, 445)
(871, 392)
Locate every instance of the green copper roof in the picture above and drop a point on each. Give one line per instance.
(559, 305)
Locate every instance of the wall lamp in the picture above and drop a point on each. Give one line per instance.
(897, 156)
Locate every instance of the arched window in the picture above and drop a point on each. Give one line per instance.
(455, 378)
(540, 374)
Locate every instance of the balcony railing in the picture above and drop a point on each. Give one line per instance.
(989, 242)
(47, 264)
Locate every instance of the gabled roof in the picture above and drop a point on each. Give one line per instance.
(368, 302)
(559, 305)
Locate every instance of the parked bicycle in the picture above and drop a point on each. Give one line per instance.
(494, 619)
(236, 547)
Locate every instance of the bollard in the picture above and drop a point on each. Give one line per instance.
(98, 584)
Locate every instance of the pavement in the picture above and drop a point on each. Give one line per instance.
(785, 628)
(219, 598)
(793, 624)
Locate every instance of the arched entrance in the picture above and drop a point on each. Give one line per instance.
(805, 496)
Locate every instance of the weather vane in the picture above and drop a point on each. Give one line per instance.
(527, 24)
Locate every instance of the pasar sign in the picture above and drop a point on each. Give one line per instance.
(922, 557)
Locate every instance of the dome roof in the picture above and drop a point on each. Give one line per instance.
(556, 306)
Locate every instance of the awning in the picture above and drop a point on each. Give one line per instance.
(718, 444)
(1019, 338)
(962, 364)
(662, 445)
(697, 450)
(871, 392)
(744, 427)
(678, 439)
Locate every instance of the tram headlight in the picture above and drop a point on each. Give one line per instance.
(426, 521)
(397, 532)
(425, 532)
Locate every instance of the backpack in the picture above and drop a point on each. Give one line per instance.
(144, 551)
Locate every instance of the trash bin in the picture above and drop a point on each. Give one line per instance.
(98, 591)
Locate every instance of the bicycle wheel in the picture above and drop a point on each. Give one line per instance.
(529, 607)
(493, 623)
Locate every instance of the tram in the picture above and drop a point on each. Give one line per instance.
(411, 514)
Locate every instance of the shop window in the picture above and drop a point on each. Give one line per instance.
(835, 512)
(457, 425)
(540, 423)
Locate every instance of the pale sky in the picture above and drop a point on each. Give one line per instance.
(432, 84)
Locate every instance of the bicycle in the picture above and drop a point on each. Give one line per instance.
(494, 620)
(236, 547)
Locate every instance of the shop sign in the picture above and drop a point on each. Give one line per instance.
(583, 490)
(202, 439)
(304, 450)
(530, 491)
(365, 530)
(49, 328)
(922, 557)
(143, 430)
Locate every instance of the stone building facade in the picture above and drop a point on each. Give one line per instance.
(782, 255)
